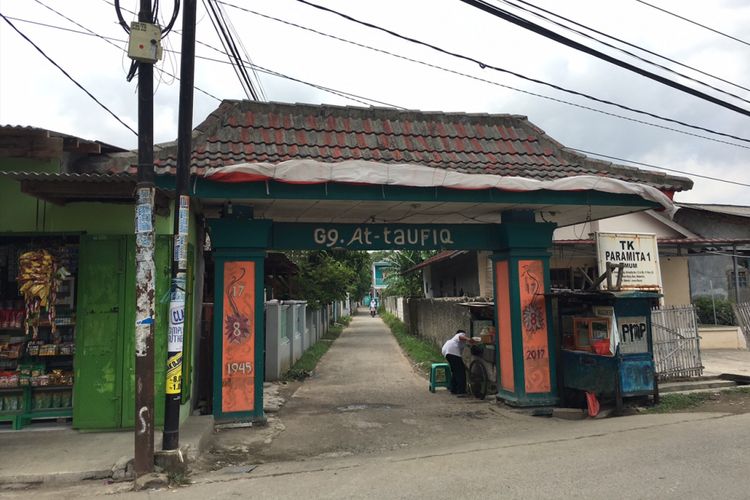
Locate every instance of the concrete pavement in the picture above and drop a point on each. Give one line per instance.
(718, 361)
(51, 454)
(364, 397)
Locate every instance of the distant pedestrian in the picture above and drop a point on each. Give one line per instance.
(452, 350)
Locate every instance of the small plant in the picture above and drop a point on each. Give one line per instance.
(675, 402)
(422, 352)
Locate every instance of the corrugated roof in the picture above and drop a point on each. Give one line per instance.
(736, 210)
(499, 144)
(673, 241)
(95, 178)
(438, 257)
(26, 130)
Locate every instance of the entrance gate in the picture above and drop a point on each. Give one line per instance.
(521, 277)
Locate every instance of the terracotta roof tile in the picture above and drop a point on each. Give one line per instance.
(246, 131)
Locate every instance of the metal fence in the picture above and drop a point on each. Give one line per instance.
(677, 351)
(742, 313)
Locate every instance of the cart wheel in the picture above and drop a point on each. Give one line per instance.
(478, 381)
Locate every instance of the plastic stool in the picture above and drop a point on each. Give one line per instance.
(440, 375)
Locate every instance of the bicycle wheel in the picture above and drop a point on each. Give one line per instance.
(478, 380)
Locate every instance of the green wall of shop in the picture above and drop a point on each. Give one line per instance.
(107, 401)
(22, 213)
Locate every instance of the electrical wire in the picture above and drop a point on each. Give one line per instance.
(240, 45)
(109, 40)
(707, 177)
(483, 80)
(547, 33)
(230, 48)
(102, 105)
(694, 22)
(347, 95)
(484, 65)
(367, 101)
(619, 40)
(620, 49)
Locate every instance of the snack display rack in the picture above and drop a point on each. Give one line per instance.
(36, 363)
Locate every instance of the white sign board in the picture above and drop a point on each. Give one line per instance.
(639, 255)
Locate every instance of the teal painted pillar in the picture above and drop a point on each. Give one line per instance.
(239, 328)
(525, 339)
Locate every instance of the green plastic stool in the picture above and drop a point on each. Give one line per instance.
(440, 375)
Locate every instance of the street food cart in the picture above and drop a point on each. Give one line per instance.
(605, 344)
(481, 361)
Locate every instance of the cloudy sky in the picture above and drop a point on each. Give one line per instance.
(34, 92)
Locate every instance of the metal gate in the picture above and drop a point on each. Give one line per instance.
(677, 351)
(742, 313)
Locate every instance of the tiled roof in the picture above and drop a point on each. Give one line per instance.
(500, 144)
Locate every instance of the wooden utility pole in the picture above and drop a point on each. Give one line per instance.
(145, 272)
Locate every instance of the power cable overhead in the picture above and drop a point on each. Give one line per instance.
(632, 45)
(484, 65)
(479, 79)
(109, 40)
(367, 101)
(230, 47)
(102, 105)
(694, 22)
(707, 177)
(240, 45)
(620, 49)
(540, 30)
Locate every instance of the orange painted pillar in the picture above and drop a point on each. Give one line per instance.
(239, 328)
(525, 339)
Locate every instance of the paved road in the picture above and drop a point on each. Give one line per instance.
(680, 456)
(365, 397)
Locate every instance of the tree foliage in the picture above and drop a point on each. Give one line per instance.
(327, 276)
(400, 283)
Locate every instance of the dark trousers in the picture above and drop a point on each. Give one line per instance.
(458, 374)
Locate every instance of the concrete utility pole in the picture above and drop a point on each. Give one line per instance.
(173, 392)
(145, 276)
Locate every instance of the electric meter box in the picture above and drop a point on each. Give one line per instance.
(145, 42)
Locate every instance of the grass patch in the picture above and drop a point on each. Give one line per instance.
(669, 403)
(309, 360)
(422, 352)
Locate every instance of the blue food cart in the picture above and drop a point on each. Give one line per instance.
(605, 344)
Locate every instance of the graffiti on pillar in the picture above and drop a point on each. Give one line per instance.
(536, 354)
(505, 335)
(238, 353)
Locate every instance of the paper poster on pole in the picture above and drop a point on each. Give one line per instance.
(639, 255)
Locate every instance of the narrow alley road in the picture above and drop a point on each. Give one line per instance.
(365, 397)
